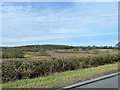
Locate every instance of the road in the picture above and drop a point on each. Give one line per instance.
(111, 82)
(108, 81)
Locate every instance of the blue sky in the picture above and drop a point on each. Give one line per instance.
(68, 23)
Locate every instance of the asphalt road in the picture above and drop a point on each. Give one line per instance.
(111, 82)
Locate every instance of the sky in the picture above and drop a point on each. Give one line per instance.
(60, 23)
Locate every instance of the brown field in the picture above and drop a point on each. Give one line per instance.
(54, 54)
(65, 53)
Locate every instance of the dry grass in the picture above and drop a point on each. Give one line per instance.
(54, 54)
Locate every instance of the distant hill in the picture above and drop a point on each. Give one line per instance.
(48, 46)
(36, 48)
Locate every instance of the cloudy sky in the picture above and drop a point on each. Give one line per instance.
(75, 23)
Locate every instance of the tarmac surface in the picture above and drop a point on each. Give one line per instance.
(111, 82)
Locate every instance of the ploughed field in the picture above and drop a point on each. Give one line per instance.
(35, 61)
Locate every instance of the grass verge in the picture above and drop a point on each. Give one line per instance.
(63, 78)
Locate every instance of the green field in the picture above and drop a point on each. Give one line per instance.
(63, 78)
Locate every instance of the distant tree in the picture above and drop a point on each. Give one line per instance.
(42, 52)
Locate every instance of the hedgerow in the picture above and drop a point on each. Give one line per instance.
(23, 69)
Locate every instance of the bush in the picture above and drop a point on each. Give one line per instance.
(12, 53)
(96, 52)
(42, 52)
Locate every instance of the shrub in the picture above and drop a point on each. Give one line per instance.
(96, 52)
(42, 52)
(12, 54)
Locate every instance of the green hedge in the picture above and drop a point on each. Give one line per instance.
(12, 54)
(23, 69)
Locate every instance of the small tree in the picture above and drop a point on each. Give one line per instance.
(42, 52)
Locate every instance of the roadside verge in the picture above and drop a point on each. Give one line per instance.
(63, 78)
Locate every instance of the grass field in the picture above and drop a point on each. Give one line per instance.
(63, 78)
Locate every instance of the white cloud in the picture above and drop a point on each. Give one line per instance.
(48, 23)
(54, 36)
(61, 1)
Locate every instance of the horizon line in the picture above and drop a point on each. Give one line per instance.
(60, 45)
